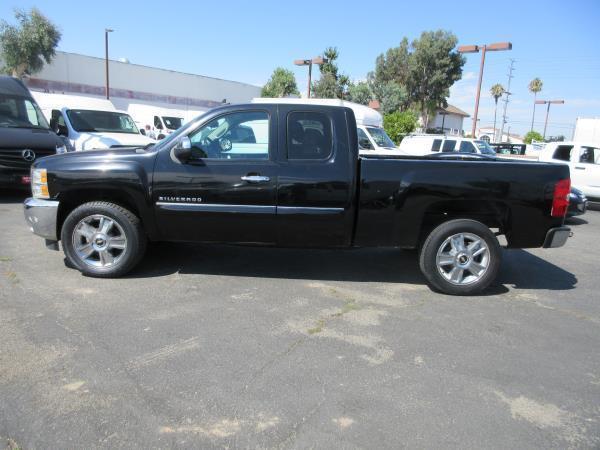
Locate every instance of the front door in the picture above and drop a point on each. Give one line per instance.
(227, 191)
(585, 170)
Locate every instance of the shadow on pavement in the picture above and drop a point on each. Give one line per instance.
(519, 269)
(523, 270)
(575, 221)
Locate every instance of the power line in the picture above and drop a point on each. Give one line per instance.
(506, 98)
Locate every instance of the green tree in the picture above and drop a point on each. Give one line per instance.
(434, 66)
(398, 124)
(393, 65)
(391, 95)
(281, 84)
(497, 91)
(360, 93)
(26, 46)
(532, 136)
(535, 86)
(331, 84)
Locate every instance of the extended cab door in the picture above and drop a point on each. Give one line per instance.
(318, 158)
(226, 191)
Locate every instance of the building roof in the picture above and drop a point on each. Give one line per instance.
(451, 109)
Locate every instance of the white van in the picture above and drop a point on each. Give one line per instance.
(90, 123)
(372, 138)
(423, 144)
(583, 160)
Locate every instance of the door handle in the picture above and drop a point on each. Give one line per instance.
(255, 179)
(580, 168)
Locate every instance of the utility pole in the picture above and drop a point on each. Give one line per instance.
(548, 102)
(318, 60)
(106, 31)
(506, 100)
(498, 46)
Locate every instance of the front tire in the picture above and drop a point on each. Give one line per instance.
(460, 257)
(102, 239)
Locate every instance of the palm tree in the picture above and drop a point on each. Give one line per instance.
(497, 91)
(535, 86)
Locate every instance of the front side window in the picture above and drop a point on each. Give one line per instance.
(589, 155)
(466, 147)
(363, 140)
(85, 120)
(485, 148)
(157, 123)
(240, 135)
(380, 137)
(20, 112)
(309, 135)
(172, 123)
(448, 145)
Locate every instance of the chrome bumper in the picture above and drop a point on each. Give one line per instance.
(557, 237)
(41, 217)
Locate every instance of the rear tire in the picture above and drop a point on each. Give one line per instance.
(102, 239)
(460, 257)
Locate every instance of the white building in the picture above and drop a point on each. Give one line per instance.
(488, 133)
(448, 120)
(133, 84)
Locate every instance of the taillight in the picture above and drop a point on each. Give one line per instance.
(560, 201)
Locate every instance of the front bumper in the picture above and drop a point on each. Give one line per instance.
(41, 217)
(557, 237)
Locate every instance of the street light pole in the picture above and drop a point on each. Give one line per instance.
(106, 31)
(548, 102)
(498, 46)
(319, 60)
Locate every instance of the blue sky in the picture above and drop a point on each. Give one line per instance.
(554, 40)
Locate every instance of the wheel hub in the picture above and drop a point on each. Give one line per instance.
(99, 242)
(463, 258)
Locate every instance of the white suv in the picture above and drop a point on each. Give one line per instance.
(423, 144)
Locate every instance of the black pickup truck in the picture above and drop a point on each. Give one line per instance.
(290, 175)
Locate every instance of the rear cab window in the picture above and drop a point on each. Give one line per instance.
(309, 136)
(563, 153)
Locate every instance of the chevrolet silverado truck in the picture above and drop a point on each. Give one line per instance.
(290, 175)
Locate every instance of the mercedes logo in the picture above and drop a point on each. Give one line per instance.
(28, 155)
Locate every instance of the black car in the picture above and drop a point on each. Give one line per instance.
(296, 181)
(578, 203)
(24, 134)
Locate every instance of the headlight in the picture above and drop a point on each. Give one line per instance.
(39, 183)
(62, 149)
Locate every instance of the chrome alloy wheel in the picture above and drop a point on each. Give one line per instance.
(99, 241)
(463, 258)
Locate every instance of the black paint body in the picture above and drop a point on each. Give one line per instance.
(339, 202)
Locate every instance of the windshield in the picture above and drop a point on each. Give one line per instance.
(172, 123)
(484, 148)
(20, 112)
(101, 121)
(380, 138)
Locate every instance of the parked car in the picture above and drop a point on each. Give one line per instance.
(24, 134)
(584, 161)
(578, 203)
(89, 129)
(304, 185)
(423, 144)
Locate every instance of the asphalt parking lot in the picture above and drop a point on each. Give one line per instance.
(222, 346)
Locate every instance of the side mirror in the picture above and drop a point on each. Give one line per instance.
(142, 131)
(183, 149)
